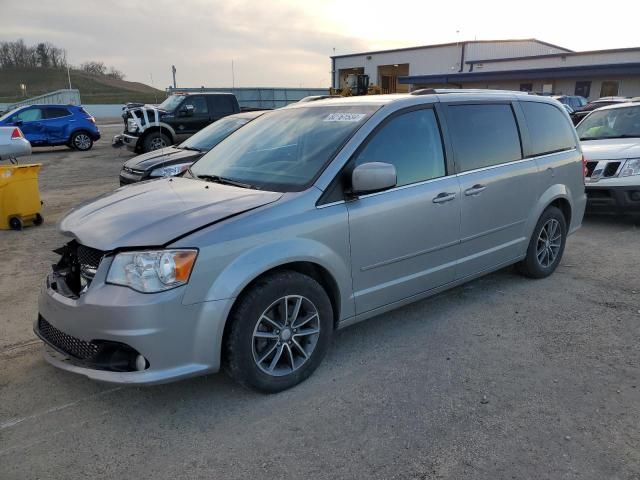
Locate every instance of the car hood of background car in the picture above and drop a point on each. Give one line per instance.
(164, 157)
(611, 149)
(156, 212)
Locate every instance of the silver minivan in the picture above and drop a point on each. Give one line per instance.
(309, 219)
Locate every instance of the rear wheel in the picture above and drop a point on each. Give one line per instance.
(16, 223)
(155, 141)
(81, 141)
(39, 220)
(546, 245)
(279, 332)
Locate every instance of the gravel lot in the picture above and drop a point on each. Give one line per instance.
(502, 378)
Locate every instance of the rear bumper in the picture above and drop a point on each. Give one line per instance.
(621, 200)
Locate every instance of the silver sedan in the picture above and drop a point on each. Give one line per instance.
(13, 144)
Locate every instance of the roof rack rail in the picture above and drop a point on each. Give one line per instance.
(438, 91)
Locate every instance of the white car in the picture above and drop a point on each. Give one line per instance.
(610, 138)
(13, 144)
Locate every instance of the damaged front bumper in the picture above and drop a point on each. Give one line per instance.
(114, 334)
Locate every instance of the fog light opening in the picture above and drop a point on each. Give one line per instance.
(141, 363)
(635, 196)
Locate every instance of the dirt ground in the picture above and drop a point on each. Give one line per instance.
(503, 378)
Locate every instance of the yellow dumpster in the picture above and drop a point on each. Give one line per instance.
(19, 196)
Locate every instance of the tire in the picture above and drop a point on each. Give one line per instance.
(155, 141)
(16, 223)
(257, 333)
(544, 254)
(39, 220)
(81, 141)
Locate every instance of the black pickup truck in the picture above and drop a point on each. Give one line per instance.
(150, 127)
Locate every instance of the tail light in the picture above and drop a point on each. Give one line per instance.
(17, 133)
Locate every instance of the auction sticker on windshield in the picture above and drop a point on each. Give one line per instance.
(345, 117)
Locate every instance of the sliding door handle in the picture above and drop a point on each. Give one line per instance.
(444, 197)
(475, 190)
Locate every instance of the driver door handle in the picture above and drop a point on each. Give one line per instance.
(444, 197)
(475, 190)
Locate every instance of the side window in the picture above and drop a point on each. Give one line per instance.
(199, 104)
(411, 141)
(223, 104)
(29, 115)
(549, 129)
(483, 135)
(56, 112)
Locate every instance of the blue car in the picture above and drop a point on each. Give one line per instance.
(50, 125)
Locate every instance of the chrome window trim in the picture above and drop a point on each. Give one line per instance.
(394, 189)
(515, 162)
(490, 167)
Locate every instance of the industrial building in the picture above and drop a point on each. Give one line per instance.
(525, 65)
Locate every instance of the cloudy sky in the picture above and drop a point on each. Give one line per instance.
(288, 42)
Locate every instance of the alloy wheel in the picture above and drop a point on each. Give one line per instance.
(158, 143)
(286, 335)
(549, 243)
(82, 141)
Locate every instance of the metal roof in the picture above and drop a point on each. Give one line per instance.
(452, 44)
(527, 74)
(552, 55)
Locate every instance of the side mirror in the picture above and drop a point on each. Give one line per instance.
(373, 177)
(187, 110)
(18, 123)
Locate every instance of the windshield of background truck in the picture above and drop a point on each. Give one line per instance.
(171, 102)
(286, 149)
(611, 123)
(209, 137)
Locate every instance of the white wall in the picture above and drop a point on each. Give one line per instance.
(431, 60)
(438, 59)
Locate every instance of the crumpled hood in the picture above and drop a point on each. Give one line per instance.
(611, 149)
(155, 213)
(162, 157)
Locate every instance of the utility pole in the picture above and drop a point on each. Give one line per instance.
(173, 71)
(69, 77)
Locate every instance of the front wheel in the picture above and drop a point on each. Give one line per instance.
(155, 141)
(81, 141)
(546, 245)
(279, 332)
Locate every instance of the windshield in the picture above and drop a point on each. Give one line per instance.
(286, 149)
(611, 123)
(171, 102)
(9, 114)
(209, 137)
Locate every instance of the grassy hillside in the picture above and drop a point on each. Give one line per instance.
(93, 88)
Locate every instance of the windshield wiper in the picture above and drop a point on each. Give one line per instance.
(194, 149)
(224, 181)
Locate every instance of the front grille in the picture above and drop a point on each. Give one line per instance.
(70, 345)
(603, 169)
(89, 257)
(611, 169)
(133, 171)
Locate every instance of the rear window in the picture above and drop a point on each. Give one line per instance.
(549, 129)
(223, 104)
(56, 112)
(483, 135)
